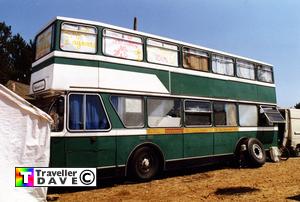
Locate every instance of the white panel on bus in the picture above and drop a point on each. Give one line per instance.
(130, 81)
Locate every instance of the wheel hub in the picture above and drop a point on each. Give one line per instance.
(257, 151)
(145, 163)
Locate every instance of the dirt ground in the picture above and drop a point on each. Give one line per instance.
(272, 182)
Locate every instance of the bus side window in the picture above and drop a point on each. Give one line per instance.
(57, 114)
(164, 112)
(86, 112)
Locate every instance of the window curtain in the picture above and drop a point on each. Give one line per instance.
(75, 113)
(222, 65)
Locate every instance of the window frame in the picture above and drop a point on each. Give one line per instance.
(262, 111)
(84, 113)
(80, 24)
(226, 57)
(51, 44)
(245, 61)
(125, 33)
(211, 113)
(143, 108)
(258, 68)
(163, 42)
(163, 98)
(199, 50)
(236, 114)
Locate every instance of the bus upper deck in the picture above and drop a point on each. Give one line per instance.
(141, 62)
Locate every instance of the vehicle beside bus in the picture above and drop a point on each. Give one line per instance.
(290, 130)
(134, 103)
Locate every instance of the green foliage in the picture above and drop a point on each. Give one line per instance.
(297, 106)
(16, 56)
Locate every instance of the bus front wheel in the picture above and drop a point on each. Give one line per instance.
(145, 163)
(256, 153)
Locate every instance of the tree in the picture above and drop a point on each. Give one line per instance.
(297, 106)
(16, 56)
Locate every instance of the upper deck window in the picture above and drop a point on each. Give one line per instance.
(195, 59)
(245, 70)
(78, 38)
(265, 73)
(222, 65)
(122, 45)
(43, 43)
(162, 53)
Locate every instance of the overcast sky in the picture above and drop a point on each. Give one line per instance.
(266, 30)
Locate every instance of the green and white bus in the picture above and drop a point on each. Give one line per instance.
(129, 102)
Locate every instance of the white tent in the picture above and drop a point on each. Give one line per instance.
(24, 142)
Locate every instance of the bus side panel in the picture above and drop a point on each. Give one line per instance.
(268, 138)
(57, 152)
(161, 74)
(125, 145)
(225, 143)
(198, 145)
(90, 151)
(183, 84)
(171, 145)
(266, 94)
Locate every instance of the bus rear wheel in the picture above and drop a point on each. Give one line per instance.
(255, 153)
(145, 163)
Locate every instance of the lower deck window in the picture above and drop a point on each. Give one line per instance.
(225, 114)
(130, 110)
(248, 115)
(197, 113)
(86, 112)
(270, 115)
(164, 112)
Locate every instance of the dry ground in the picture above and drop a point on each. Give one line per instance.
(272, 182)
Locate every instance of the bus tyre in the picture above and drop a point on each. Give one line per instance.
(256, 152)
(145, 163)
(297, 151)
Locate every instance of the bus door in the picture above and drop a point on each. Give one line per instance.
(87, 143)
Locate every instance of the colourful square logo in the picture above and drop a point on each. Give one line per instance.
(24, 177)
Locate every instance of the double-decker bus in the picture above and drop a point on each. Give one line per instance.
(133, 103)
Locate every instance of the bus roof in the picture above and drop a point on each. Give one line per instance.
(151, 36)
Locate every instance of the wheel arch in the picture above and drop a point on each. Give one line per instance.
(238, 144)
(151, 145)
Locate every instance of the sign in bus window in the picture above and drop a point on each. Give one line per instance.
(162, 53)
(78, 38)
(130, 110)
(245, 70)
(265, 74)
(43, 43)
(122, 45)
(164, 112)
(197, 113)
(222, 65)
(195, 59)
(225, 114)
